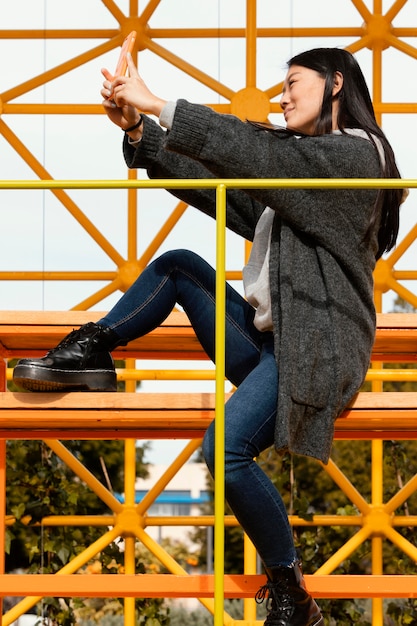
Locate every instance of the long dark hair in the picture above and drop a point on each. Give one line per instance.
(356, 111)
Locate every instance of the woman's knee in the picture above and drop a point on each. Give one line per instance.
(178, 257)
(236, 454)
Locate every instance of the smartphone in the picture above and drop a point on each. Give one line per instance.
(127, 46)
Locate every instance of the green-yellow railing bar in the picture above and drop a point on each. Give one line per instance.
(219, 490)
(229, 183)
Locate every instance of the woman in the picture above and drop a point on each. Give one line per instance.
(298, 346)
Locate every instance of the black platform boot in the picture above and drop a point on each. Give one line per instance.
(80, 362)
(289, 603)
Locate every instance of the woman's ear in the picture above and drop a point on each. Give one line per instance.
(338, 83)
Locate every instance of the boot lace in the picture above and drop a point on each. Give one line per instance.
(279, 605)
(73, 337)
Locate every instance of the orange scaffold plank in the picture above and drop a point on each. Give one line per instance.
(202, 586)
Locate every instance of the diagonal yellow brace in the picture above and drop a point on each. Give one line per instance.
(346, 486)
(80, 470)
(172, 565)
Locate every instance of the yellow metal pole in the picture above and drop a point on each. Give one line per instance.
(219, 492)
(132, 219)
(377, 497)
(377, 545)
(251, 40)
(213, 183)
(249, 553)
(129, 486)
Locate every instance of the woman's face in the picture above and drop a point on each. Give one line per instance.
(302, 98)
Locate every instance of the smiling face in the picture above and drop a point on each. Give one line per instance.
(302, 99)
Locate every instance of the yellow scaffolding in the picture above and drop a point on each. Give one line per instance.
(376, 520)
(373, 30)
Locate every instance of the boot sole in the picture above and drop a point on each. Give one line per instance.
(320, 622)
(42, 379)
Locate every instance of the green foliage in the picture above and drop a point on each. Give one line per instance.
(307, 489)
(181, 616)
(98, 612)
(187, 558)
(404, 614)
(39, 484)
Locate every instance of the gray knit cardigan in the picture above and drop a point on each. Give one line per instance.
(320, 265)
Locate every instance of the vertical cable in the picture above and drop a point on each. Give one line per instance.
(218, 48)
(42, 444)
(44, 191)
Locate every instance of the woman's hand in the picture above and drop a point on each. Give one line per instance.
(125, 96)
(131, 90)
(125, 116)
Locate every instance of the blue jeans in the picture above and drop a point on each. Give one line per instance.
(182, 277)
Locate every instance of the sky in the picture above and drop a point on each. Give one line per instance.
(38, 233)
